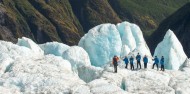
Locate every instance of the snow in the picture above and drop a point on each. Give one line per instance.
(54, 48)
(172, 51)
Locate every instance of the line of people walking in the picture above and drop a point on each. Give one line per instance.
(138, 59)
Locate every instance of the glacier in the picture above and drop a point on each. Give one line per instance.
(56, 68)
(54, 48)
(102, 43)
(106, 40)
(172, 50)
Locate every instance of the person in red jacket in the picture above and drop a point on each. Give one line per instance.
(115, 63)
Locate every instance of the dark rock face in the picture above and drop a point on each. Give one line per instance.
(146, 13)
(94, 12)
(179, 22)
(40, 20)
(67, 20)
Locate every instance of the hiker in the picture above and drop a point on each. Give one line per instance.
(131, 63)
(138, 58)
(156, 61)
(145, 60)
(115, 63)
(126, 61)
(162, 63)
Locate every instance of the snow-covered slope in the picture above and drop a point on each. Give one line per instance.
(106, 40)
(172, 50)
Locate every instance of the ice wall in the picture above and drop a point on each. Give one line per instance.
(106, 40)
(172, 50)
(54, 48)
(102, 43)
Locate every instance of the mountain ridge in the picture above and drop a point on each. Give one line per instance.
(67, 21)
(179, 22)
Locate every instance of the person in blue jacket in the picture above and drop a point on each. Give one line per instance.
(126, 61)
(162, 63)
(131, 63)
(138, 58)
(145, 60)
(156, 61)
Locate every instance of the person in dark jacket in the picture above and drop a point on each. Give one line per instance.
(126, 61)
(115, 63)
(162, 63)
(138, 58)
(156, 61)
(145, 60)
(131, 63)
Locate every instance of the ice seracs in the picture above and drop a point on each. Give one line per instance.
(102, 43)
(131, 35)
(26, 42)
(125, 50)
(81, 65)
(10, 52)
(54, 48)
(126, 35)
(106, 40)
(77, 56)
(172, 50)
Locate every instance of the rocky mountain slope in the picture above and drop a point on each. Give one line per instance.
(179, 22)
(41, 20)
(67, 20)
(146, 13)
(94, 12)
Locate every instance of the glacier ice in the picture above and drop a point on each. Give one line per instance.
(77, 56)
(49, 74)
(102, 86)
(131, 35)
(10, 52)
(140, 83)
(29, 68)
(25, 69)
(126, 35)
(26, 42)
(172, 50)
(81, 65)
(125, 50)
(89, 73)
(54, 48)
(102, 43)
(106, 40)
